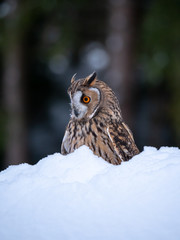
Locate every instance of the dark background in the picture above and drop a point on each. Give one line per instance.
(134, 46)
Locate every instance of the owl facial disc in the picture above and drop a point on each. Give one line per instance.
(78, 109)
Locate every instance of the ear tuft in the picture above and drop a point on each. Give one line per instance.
(73, 78)
(91, 79)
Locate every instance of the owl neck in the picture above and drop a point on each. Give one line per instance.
(110, 108)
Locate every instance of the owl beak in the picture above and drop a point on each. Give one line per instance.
(76, 112)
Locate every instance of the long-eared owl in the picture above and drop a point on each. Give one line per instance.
(96, 122)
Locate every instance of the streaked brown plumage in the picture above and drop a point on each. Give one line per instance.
(96, 122)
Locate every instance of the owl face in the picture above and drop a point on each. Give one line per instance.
(85, 98)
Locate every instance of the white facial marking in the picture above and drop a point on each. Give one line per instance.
(98, 93)
(95, 90)
(79, 109)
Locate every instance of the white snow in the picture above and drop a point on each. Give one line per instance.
(82, 197)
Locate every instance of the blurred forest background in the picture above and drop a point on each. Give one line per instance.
(133, 45)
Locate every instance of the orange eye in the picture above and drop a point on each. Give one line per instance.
(86, 99)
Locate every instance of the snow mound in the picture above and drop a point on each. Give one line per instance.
(80, 196)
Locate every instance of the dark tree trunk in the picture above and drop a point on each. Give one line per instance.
(13, 93)
(16, 141)
(120, 44)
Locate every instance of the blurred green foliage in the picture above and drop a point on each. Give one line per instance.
(160, 51)
(161, 40)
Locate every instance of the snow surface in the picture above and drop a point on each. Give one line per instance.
(82, 197)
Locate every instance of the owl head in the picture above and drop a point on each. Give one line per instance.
(90, 96)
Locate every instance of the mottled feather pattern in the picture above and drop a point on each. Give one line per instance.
(101, 127)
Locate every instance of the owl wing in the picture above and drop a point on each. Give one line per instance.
(122, 140)
(64, 143)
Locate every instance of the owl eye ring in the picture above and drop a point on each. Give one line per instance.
(86, 99)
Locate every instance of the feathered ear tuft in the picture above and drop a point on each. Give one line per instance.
(73, 78)
(91, 79)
